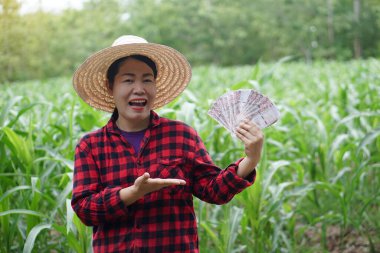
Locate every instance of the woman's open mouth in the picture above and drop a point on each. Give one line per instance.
(138, 102)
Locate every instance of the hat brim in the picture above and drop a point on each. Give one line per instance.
(173, 74)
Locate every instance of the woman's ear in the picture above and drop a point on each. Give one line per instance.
(109, 87)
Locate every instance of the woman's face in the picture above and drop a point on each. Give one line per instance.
(134, 90)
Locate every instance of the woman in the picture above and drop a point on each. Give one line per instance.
(135, 178)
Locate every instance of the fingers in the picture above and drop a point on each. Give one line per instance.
(166, 181)
(145, 179)
(142, 179)
(248, 131)
(249, 126)
(145, 184)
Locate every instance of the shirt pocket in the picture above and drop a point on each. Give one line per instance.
(171, 168)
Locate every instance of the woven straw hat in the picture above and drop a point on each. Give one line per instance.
(173, 72)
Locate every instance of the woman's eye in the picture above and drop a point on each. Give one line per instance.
(128, 81)
(148, 80)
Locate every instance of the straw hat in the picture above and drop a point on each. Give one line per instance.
(173, 72)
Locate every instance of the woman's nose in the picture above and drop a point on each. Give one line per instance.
(138, 88)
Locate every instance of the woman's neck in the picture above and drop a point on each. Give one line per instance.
(129, 126)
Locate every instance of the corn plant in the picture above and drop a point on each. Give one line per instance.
(318, 172)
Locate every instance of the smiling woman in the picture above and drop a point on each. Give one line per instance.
(133, 90)
(135, 178)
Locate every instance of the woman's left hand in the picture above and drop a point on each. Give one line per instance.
(253, 139)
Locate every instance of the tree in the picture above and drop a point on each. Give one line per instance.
(39, 45)
(10, 38)
(357, 43)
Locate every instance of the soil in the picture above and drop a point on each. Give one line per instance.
(347, 241)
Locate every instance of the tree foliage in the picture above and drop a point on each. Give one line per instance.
(40, 45)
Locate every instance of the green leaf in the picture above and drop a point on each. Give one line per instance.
(14, 189)
(19, 147)
(210, 232)
(269, 74)
(240, 85)
(61, 199)
(23, 211)
(86, 121)
(29, 244)
(370, 137)
(6, 109)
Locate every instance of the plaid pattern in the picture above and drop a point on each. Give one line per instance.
(162, 221)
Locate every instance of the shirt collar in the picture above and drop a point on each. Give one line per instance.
(112, 127)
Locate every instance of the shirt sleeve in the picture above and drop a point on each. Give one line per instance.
(213, 185)
(93, 203)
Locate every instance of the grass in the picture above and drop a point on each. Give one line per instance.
(317, 183)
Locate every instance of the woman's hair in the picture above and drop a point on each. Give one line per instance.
(114, 68)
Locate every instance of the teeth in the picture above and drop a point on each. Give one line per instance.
(138, 101)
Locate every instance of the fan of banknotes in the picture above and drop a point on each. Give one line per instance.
(234, 106)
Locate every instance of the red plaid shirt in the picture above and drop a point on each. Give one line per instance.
(162, 221)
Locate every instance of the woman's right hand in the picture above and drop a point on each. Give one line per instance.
(144, 185)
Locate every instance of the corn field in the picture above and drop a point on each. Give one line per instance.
(317, 188)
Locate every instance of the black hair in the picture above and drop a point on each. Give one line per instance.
(114, 68)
